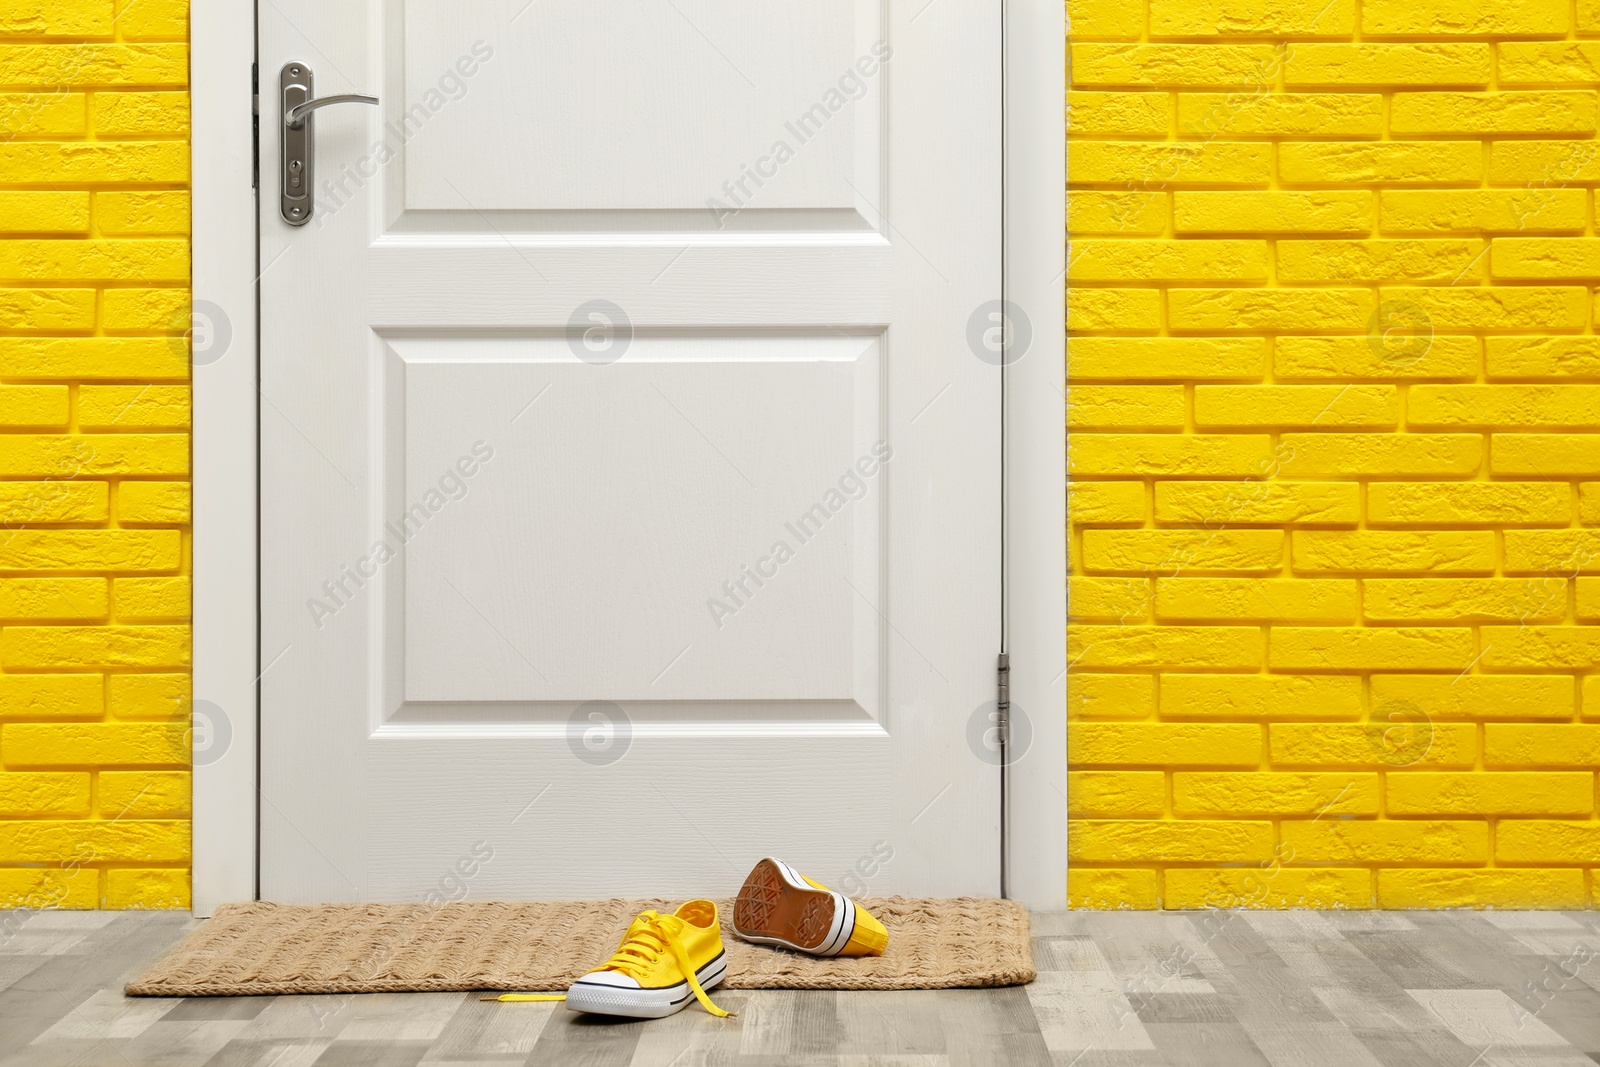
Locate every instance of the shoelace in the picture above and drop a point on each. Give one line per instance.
(636, 954)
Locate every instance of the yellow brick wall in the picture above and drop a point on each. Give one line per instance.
(1335, 436)
(94, 453)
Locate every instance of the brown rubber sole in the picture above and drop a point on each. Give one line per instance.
(770, 908)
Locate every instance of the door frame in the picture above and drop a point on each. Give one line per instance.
(226, 458)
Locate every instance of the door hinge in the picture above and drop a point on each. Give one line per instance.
(255, 126)
(1003, 694)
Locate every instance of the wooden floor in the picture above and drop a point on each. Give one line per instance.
(1455, 989)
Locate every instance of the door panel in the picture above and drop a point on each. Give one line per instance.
(630, 492)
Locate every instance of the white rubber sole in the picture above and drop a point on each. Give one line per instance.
(840, 928)
(598, 999)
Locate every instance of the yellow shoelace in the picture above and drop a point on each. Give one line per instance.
(635, 955)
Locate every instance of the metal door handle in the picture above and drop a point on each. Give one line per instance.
(296, 203)
(295, 117)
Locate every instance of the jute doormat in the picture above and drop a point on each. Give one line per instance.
(248, 949)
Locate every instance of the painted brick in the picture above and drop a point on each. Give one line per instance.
(1589, 503)
(1105, 18)
(145, 407)
(133, 888)
(1250, 310)
(35, 310)
(1115, 794)
(1498, 307)
(1464, 18)
(89, 646)
(1591, 697)
(1469, 503)
(1259, 696)
(122, 841)
(142, 213)
(1382, 65)
(1093, 887)
(1392, 260)
(1314, 455)
(1495, 793)
(1110, 696)
(1544, 454)
(1543, 357)
(140, 19)
(1503, 210)
(1390, 162)
(147, 695)
(1490, 113)
(1460, 600)
(1392, 552)
(93, 550)
(91, 161)
(1504, 406)
(92, 358)
(1396, 648)
(39, 889)
(1168, 455)
(1269, 502)
(75, 744)
(69, 599)
(144, 794)
(1482, 889)
(1259, 599)
(1170, 552)
(1554, 62)
(33, 405)
(81, 18)
(1383, 744)
(1479, 696)
(1281, 114)
(1542, 744)
(1541, 258)
(1346, 358)
(39, 455)
(1297, 405)
(1588, 599)
(1165, 358)
(25, 794)
(1263, 793)
(1098, 309)
(1189, 841)
(1092, 212)
(51, 696)
(1091, 744)
(1172, 261)
(52, 500)
(153, 502)
(1127, 407)
(1543, 163)
(1251, 18)
(1546, 841)
(151, 598)
(1235, 647)
(93, 65)
(1108, 599)
(1248, 211)
(124, 310)
(1197, 888)
(120, 260)
(1093, 502)
(140, 114)
(1366, 841)
(1156, 164)
(1552, 553)
(1173, 65)
(24, 211)
(1126, 113)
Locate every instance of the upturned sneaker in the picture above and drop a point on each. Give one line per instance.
(664, 961)
(778, 905)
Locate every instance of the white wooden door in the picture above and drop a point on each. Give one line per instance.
(630, 473)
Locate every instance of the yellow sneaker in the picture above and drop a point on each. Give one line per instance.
(663, 961)
(778, 905)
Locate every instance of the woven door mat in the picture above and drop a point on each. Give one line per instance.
(276, 949)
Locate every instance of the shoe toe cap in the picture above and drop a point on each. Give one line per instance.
(613, 979)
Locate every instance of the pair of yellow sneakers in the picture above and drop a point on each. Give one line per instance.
(664, 960)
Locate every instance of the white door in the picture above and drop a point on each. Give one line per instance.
(630, 473)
